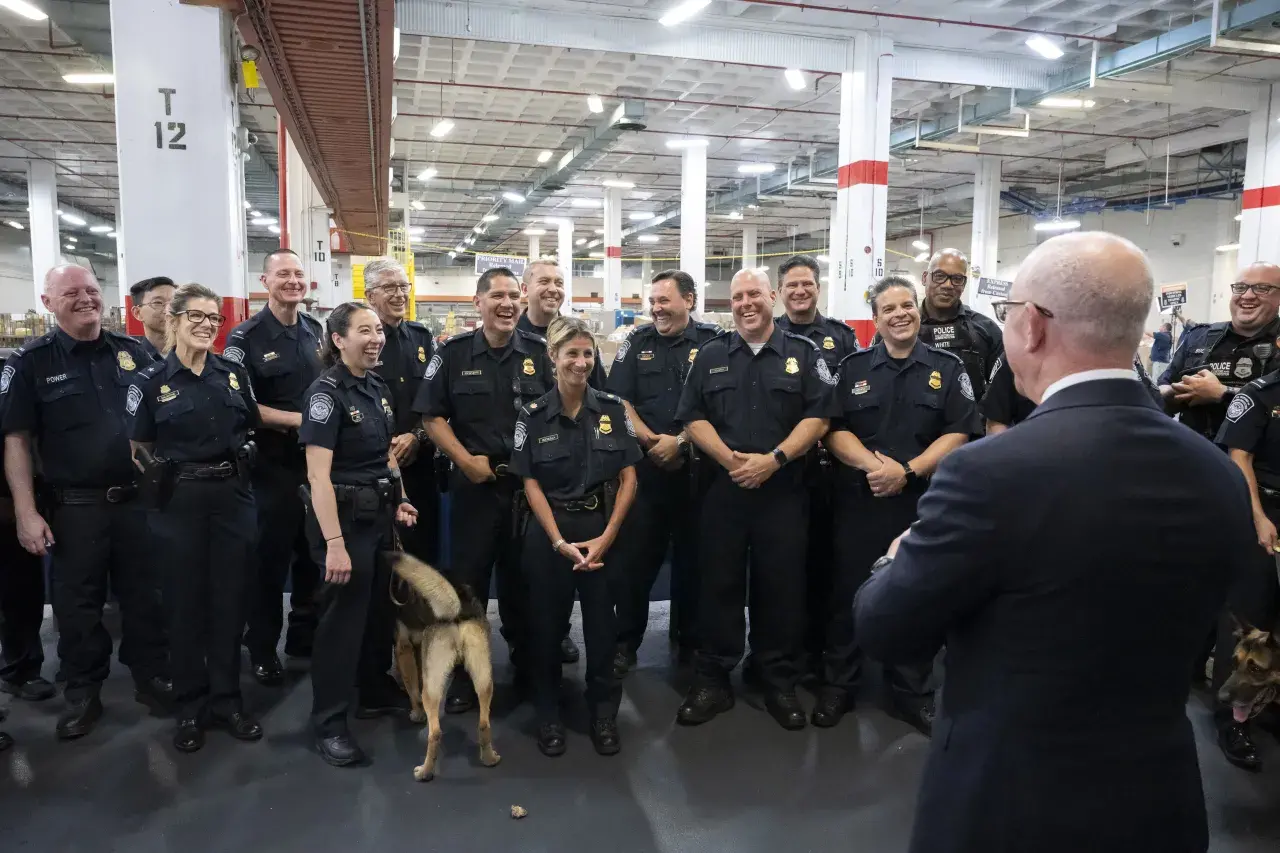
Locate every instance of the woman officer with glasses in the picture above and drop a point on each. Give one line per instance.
(190, 418)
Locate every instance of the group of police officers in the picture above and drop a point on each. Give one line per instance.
(779, 461)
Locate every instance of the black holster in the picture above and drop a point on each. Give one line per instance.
(610, 497)
(156, 482)
(246, 459)
(443, 466)
(520, 513)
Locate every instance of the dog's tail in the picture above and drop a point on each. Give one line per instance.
(430, 584)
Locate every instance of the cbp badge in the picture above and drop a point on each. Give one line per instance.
(528, 368)
(235, 383)
(422, 354)
(125, 361)
(1240, 406)
(828, 343)
(693, 353)
(522, 434)
(793, 366)
(386, 407)
(606, 425)
(1244, 368)
(166, 394)
(434, 367)
(320, 408)
(935, 380)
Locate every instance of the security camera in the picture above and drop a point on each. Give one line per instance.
(1178, 239)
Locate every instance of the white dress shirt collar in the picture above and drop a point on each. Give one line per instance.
(1088, 376)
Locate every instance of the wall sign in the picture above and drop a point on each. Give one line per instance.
(1173, 294)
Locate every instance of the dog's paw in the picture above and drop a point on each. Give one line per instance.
(418, 716)
(489, 757)
(422, 774)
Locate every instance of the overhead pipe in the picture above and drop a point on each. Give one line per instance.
(282, 177)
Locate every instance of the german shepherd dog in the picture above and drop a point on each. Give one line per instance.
(439, 625)
(1254, 682)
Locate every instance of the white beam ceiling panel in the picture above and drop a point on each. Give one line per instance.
(1179, 143)
(708, 41)
(1223, 95)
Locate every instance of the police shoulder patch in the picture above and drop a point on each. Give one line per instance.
(966, 385)
(434, 367)
(320, 408)
(1239, 407)
(134, 399)
(824, 372)
(235, 354)
(631, 429)
(623, 350)
(6, 376)
(522, 434)
(995, 368)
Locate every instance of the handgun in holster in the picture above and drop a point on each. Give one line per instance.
(443, 465)
(156, 482)
(520, 513)
(610, 495)
(246, 458)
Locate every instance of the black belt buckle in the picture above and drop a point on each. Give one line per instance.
(502, 469)
(591, 504)
(119, 494)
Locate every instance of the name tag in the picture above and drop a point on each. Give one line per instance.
(53, 379)
(549, 438)
(713, 371)
(473, 373)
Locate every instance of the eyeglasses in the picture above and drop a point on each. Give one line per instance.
(402, 288)
(157, 304)
(198, 317)
(1240, 288)
(1001, 309)
(956, 279)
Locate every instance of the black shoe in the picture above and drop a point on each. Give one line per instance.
(240, 726)
(832, 705)
(32, 690)
(703, 703)
(786, 709)
(604, 736)
(156, 693)
(551, 740)
(1238, 746)
(297, 647)
(269, 672)
(624, 660)
(189, 737)
(339, 750)
(919, 714)
(79, 718)
(383, 703)
(460, 702)
(569, 650)
(6, 741)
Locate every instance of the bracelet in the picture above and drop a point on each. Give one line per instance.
(555, 546)
(331, 538)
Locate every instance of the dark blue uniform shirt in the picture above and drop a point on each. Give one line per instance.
(192, 418)
(1252, 424)
(974, 337)
(405, 357)
(649, 371)
(596, 380)
(573, 457)
(1228, 355)
(352, 416)
(834, 339)
(70, 396)
(282, 361)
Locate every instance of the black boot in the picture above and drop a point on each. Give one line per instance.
(551, 741)
(339, 750)
(785, 707)
(156, 693)
(624, 660)
(702, 703)
(31, 689)
(79, 718)
(919, 713)
(832, 705)
(569, 650)
(1237, 745)
(604, 736)
(268, 671)
(189, 737)
(240, 726)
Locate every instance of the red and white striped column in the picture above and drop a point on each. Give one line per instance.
(612, 249)
(182, 211)
(857, 236)
(1260, 222)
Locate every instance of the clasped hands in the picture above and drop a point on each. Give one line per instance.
(1199, 389)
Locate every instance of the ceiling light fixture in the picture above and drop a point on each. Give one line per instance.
(617, 184)
(69, 247)
(642, 195)
(428, 173)
(687, 142)
(274, 229)
(1067, 103)
(417, 231)
(459, 248)
(599, 232)
(442, 128)
(823, 259)
(1044, 47)
(17, 225)
(72, 240)
(490, 217)
(737, 214)
(920, 244)
(479, 229)
(755, 168)
(683, 12)
(641, 215)
(585, 202)
(544, 156)
(95, 78)
(921, 258)
(535, 232)
(24, 9)
(113, 235)
(1056, 224)
(417, 205)
(514, 198)
(795, 78)
(594, 104)
(648, 238)
(595, 254)
(264, 220)
(1229, 247)
(248, 206)
(581, 241)
(72, 219)
(453, 254)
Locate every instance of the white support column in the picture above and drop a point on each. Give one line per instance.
(308, 228)
(535, 248)
(693, 219)
(1261, 220)
(986, 231)
(646, 273)
(612, 249)
(176, 140)
(42, 196)
(750, 247)
(862, 189)
(564, 236)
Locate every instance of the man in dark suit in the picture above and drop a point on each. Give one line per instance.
(1096, 519)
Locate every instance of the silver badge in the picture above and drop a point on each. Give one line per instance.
(5, 378)
(522, 433)
(824, 372)
(1244, 368)
(234, 354)
(321, 408)
(1239, 407)
(434, 367)
(966, 386)
(131, 402)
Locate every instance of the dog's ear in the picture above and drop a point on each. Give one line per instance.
(1242, 626)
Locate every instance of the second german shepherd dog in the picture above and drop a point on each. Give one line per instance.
(1254, 682)
(439, 625)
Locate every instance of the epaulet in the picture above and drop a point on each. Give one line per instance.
(245, 327)
(36, 343)
(946, 353)
(150, 370)
(461, 336)
(329, 376)
(1270, 380)
(123, 338)
(414, 324)
(531, 336)
(1215, 327)
(812, 343)
(709, 327)
(644, 329)
(858, 353)
(538, 404)
(608, 398)
(314, 320)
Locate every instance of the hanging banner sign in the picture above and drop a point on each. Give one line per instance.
(994, 287)
(1172, 294)
(484, 263)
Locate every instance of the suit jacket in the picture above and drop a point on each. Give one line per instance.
(1073, 568)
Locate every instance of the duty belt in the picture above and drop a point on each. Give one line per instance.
(384, 488)
(89, 497)
(501, 466)
(588, 503)
(206, 470)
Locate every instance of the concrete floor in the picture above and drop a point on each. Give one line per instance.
(740, 783)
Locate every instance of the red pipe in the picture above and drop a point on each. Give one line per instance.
(282, 189)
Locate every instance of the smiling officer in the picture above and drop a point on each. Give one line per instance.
(949, 324)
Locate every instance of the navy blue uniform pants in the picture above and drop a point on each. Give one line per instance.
(21, 608)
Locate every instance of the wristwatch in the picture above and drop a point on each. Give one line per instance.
(421, 435)
(912, 476)
(681, 441)
(780, 456)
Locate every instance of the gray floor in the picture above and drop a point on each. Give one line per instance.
(739, 783)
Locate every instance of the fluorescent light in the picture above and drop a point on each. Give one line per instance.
(687, 142)
(490, 217)
(683, 12)
(113, 235)
(479, 229)
(535, 232)
(69, 247)
(595, 254)
(58, 211)
(24, 9)
(795, 78)
(96, 78)
(429, 172)
(641, 215)
(823, 259)
(598, 232)
(13, 224)
(594, 104)
(1239, 216)
(1058, 225)
(248, 206)
(417, 205)
(417, 230)
(648, 238)
(1230, 247)
(585, 202)
(642, 195)
(1044, 47)
(581, 241)
(72, 240)
(274, 229)
(1067, 103)
(453, 254)
(544, 156)
(254, 214)
(459, 248)
(737, 214)
(72, 219)
(921, 258)
(920, 244)
(471, 239)
(264, 220)
(617, 184)
(442, 128)
(514, 198)
(755, 168)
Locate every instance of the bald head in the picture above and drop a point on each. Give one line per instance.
(756, 275)
(751, 300)
(1251, 310)
(948, 257)
(944, 282)
(72, 295)
(65, 274)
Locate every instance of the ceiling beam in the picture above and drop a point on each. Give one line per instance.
(1178, 143)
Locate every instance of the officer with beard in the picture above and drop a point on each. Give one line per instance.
(949, 324)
